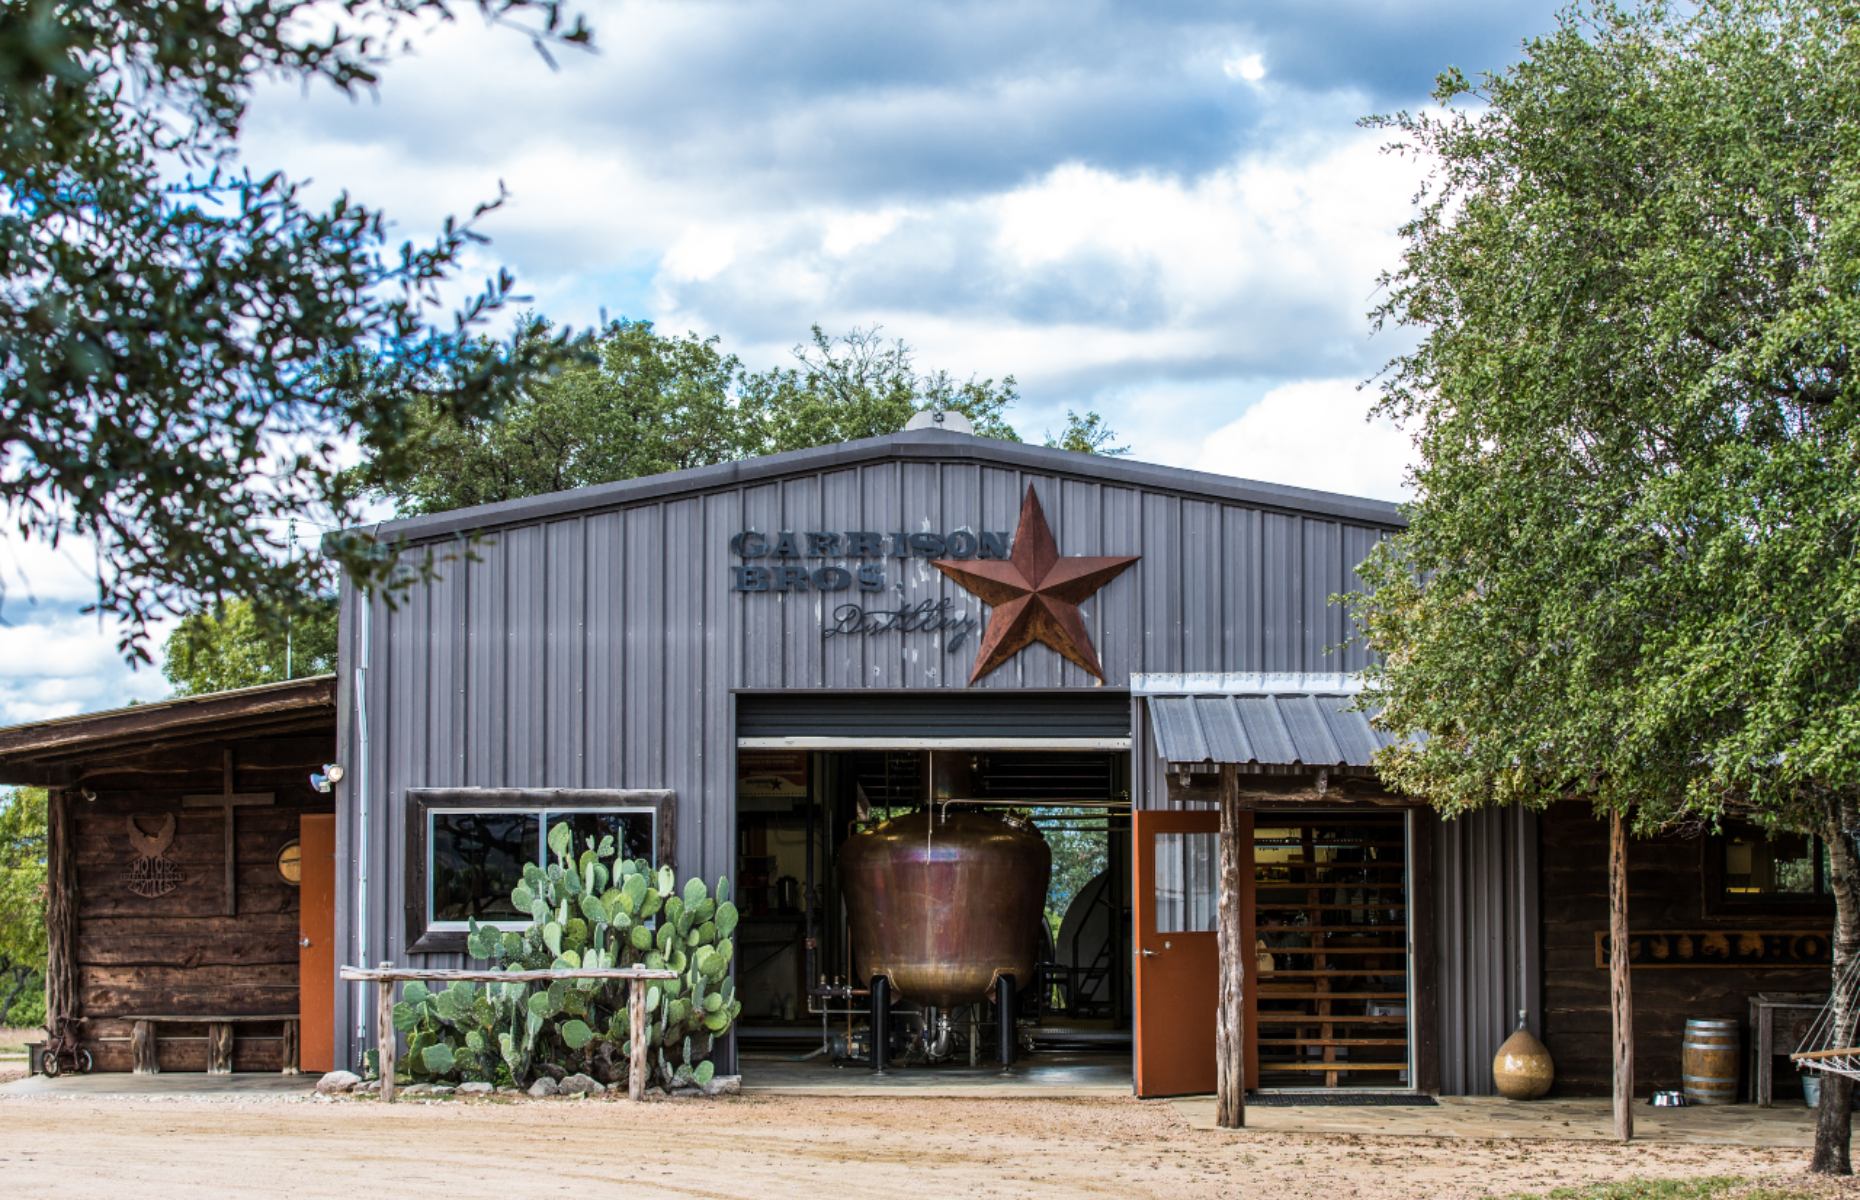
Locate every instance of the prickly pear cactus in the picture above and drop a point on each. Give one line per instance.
(590, 907)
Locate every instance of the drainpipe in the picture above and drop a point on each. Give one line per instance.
(360, 1000)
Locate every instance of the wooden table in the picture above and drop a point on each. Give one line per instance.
(385, 976)
(1763, 1050)
(144, 1049)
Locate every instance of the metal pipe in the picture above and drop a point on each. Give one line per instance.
(807, 891)
(1004, 1019)
(360, 774)
(881, 1022)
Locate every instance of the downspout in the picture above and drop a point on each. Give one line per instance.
(360, 1001)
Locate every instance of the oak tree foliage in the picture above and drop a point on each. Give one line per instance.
(183, 343)
(648, 402)
(1630, 574)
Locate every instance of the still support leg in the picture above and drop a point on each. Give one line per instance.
(881, 1021)
(1004, 1020)
(288, 1050)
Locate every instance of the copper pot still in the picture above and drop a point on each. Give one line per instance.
(944, 906)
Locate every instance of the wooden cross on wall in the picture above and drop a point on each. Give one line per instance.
(230, 802)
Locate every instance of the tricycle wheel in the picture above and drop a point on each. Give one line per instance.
(49, 1065)
(85, 1062)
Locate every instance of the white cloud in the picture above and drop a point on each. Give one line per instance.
(1248, 67)
(1314, 434)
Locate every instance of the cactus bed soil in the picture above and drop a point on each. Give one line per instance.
(768, 1147)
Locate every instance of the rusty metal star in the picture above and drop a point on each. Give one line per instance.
(1035, 594)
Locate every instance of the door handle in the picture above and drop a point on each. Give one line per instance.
(1147, 953)
(304, 942)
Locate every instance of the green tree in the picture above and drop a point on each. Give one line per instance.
(648, 402)
(181, 343)
(1086, 433)
(1629, 574)
(236, 644)
(22, 907)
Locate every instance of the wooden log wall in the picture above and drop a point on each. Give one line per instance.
(179, 952)
(1666, 891)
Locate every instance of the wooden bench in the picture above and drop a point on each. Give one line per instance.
(385, 976)
(143, 1042)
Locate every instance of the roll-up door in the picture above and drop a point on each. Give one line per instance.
(1099, 719)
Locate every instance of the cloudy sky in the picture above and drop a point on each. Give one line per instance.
(1164, 212)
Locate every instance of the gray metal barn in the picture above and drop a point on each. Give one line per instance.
(620, 638)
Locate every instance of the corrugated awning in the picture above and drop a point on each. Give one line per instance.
(1274, 720)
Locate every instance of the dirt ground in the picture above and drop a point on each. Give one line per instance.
(764, 1147)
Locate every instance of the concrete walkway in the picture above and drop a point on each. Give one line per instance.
(1488, 1117)
(180, 1085)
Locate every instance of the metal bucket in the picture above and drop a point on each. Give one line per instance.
(1708, 1060)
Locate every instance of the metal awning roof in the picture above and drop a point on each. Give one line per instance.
(1269, 720)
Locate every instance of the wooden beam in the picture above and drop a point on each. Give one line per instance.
(1620, 993)
(1230, 1015)
(61, 905)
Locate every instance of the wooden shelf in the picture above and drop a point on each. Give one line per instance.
(1334, 973)
(1339, 1065)
(1267, 993)
(1400, 1041)
(1281, 1017)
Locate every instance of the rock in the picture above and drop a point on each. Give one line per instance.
(507, 1090)
(545, 1087)
(724, 1085)
(419, 1089)
(552, 1071)
(370, 1088)
(478, 1087)
(337, 1082)
(579, 1085)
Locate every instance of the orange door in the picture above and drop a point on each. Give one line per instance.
(1175, 906)
(316, 942)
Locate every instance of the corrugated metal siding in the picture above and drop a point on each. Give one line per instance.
(1488, 941)
(602, 648)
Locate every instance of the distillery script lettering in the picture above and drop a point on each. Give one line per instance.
(858, 560)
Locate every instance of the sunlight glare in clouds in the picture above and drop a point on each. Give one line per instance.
(1250, 67)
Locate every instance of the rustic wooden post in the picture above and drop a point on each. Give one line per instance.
(1620, 988)
(1230, 1014)
(142, 1053)
(288, 1050)
(61, 901)
(384, 1033)
(219, 1047)
(636, 1021)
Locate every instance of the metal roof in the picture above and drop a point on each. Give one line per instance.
(1265, 720)
(921, 444)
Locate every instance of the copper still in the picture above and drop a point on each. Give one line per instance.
(943, 909)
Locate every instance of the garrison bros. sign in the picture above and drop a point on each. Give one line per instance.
(1034, 591)
(795, 562)
(860, 560)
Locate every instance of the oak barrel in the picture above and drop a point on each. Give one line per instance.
(1708, 1060)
